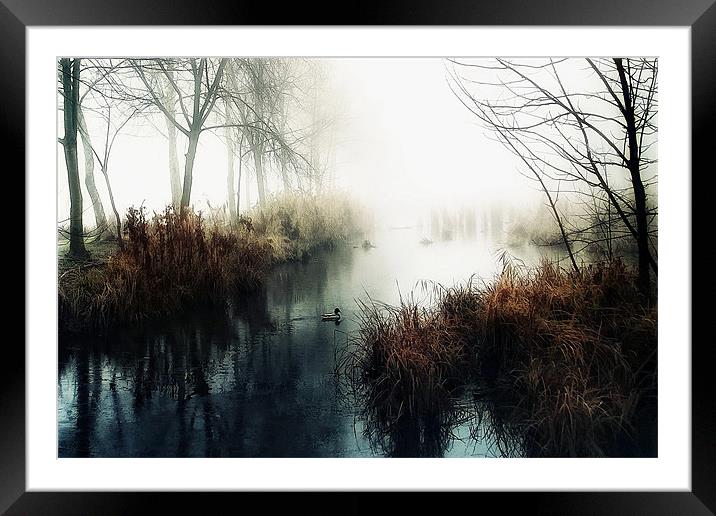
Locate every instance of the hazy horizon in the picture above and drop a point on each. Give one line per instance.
(402, 143)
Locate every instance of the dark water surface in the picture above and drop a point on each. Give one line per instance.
(255, 378)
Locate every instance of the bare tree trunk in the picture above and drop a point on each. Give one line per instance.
(230, 177)
(99, 215)
(189, 168)
(70, 70)
(642, 228)
(230, 167)
(315, 174)
(248, 189)
(257, 146)
(284, 175)
(315, 155)
(117, 219)
(174, 178)
(238, 183)
(257, 151)
(282, 155)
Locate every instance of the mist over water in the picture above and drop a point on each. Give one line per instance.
(388, 189)
(258, 378)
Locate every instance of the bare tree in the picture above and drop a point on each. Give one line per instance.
(170, 100)
(257, 74)
(232, 198)
(196, 84)
(321, 126)
(261, 91)
(110, 104)
(69, 72)
(254, 115)
(593, 137)
(112, 130)
(99, 215)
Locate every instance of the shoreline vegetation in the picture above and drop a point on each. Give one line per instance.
(560, 359)
(563, 363)
(172, 259)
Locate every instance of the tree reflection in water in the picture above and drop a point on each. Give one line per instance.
(249, 378)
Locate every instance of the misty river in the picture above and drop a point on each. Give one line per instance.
(256, 379)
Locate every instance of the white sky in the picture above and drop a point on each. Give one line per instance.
(412, 142)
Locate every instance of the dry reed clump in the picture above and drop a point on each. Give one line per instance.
(562, 350)
(568, 359)
(166, 261)
(295, 226)
(176, 257)
(408, 342)
(406, 371)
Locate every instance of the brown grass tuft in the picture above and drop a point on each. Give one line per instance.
(175, 258)
(564, 361)
(167, 261)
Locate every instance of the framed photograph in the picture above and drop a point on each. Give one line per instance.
(447, 248)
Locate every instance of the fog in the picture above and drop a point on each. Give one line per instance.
(414, 144)
(428, 207)
(402, 144)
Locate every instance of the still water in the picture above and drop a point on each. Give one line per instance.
(256, 379)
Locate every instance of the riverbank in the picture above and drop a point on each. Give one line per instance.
(562, 363)
(172, 259)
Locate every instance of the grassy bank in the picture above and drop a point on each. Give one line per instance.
(170, 259)
(296, 226)
(563, 364)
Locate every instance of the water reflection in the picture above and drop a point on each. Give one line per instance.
(419, 435)
(254, 377)
(236, 380)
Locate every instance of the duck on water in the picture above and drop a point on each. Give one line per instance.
(335, 316)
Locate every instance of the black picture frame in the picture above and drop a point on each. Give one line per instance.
(699, 15)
